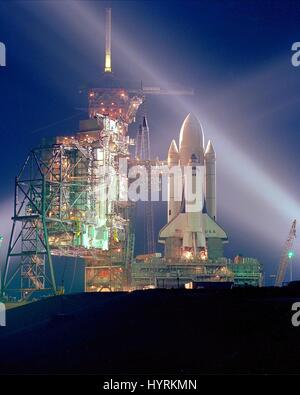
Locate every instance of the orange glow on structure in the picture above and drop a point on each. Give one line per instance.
(187, 255)
(203, 255)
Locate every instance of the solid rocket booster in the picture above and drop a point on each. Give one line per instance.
(173, 203)
(210, 180)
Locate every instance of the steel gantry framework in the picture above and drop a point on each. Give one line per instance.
(29, 240)
(62, 208)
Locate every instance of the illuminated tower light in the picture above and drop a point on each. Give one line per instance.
(107, 67)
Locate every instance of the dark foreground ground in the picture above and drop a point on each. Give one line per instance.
(157, 331)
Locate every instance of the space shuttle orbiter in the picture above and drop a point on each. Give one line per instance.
(192, 233)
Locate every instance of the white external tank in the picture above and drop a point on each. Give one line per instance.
(191, 141)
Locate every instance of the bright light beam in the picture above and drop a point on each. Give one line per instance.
(256, 180)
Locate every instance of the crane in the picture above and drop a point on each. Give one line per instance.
(285, 256)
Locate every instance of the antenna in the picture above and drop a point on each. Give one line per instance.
(107, 67)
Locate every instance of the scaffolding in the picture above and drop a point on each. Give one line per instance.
(67, 202)
(29, 241)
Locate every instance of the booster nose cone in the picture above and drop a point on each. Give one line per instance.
(173, 154)
(173, 148)
(210, 152)
(191, 140)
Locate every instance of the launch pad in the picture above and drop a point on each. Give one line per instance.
(157, 272)
(68, 203)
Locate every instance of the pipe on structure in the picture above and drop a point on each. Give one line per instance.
(107, 67)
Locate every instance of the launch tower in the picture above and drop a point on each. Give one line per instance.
(61, 202)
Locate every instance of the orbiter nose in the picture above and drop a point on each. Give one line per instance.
(191, 140)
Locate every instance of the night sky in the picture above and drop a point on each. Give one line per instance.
(235, 54)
